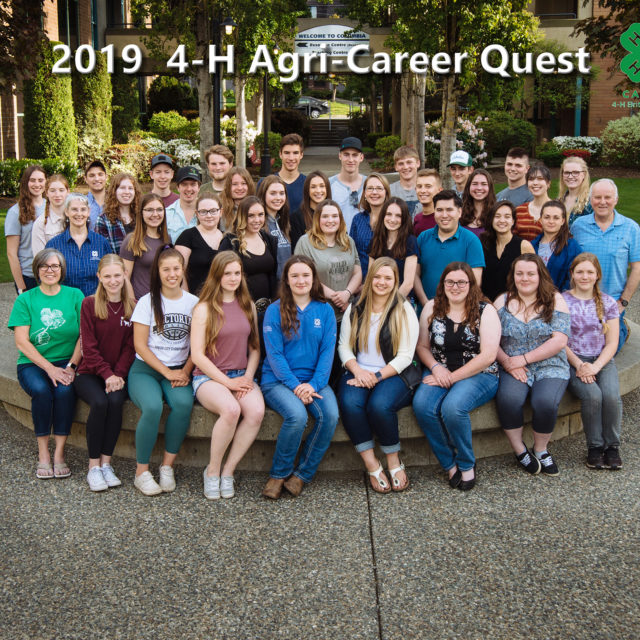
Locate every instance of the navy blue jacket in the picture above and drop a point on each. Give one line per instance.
(558, 265)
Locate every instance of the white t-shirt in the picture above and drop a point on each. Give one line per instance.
(171, 346)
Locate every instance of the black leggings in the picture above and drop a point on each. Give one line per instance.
(105, 413)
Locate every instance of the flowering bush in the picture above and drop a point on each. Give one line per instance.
(469, 138)
(129, 158)
(590, 143)
(228, 133)
(585, 154)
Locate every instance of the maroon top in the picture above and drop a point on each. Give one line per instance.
(422, 223)
(107, 345)
(170, 199)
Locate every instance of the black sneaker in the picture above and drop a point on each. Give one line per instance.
(612, 459)
(595, 458)
(529, 462)
(549, 467)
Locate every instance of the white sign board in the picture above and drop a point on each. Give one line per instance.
(332, 39)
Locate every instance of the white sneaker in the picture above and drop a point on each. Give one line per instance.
(109, 476)
(226, 487)
(146, 484)
(167, 479)
(96, 480)
(211, 486)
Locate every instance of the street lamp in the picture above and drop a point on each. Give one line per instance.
(265, 164)
(229, 25)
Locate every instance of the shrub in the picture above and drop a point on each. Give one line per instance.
(92, 97)
(371, 138)
(385, 148)
(621, 141)
(585, 154)
(167, 93)
(503, 131)
(168, 125)
(274, 146)
(182, 152)
(228, 133)
(469, 138)
(49, 127)
(125, 114)
(549, 154)
(359, 125)
(11, 171)
(129, 158)
(285, 121)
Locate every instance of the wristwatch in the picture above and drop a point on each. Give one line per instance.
(378, 376)
(71, 365)
(624, 302)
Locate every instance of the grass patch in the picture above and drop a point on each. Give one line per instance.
(5, 272)
(337, 109)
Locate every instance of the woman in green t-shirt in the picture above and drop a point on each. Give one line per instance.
(46, 324)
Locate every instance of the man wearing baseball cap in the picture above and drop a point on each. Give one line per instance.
(161, 175)
(346, 186)
(461, 167)
(182, 213)
(95, 175)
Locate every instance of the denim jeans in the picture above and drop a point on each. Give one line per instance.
(368, 411)
(296, 415)
(601, 405)
(49, 404)
(443, 415)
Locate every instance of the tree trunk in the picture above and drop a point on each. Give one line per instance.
(396, 105)
(259, 100)
(421, 85)
(386, 98)
(205, 88)
(374, 107)
(450, 96)
(239, 84)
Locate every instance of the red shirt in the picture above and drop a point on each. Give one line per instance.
(422, 223)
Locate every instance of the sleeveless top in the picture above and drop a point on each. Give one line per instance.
(494, 278)
(453, 347)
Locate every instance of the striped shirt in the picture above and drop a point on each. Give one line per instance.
(526, 226)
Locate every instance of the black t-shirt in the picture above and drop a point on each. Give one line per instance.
(200, 259)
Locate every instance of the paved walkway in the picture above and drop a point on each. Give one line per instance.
(518, 557)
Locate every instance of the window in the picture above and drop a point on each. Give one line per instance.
(557, 8)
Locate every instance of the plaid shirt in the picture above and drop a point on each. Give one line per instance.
(114, 232)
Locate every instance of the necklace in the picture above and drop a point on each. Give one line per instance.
(116, 310)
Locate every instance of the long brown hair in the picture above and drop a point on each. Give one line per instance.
(155, 285)
(305, 205)
(101, 299)
(315, 233)
(381, 233)
(136, 242)
(111, 207)
(211, 298)
(226, 201)
(561, 239)
(471, 302)
(240, 223)
(546, 293)
(288, 311)
(597, 294)
(283, 213)
(468, 206)
(394, 310)
(489, 237)
(26, 208)
(56, 177)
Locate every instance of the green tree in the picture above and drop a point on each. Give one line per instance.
(49, 126)
(125, 106)
(167, 93)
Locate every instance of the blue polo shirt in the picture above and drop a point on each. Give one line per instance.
(82, 263)
(615, 247)
(435, 255)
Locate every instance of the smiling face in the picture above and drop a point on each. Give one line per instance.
(188, 190)
(317, 190)
(95, 178)
(585, 276)
(208, 213)
(50, 272)
(231, 277)
(291, 154)
(516, 169)
(329, 220)
(383, 281)
(603, 200)
(460, 175)
(170, 272)
(426, 188)
(479, 187)
(78, 213)
(161, 174)
(36, 183)
(526, 278)
(255, 218)
(57, 194)
(374, 192)
(573, 175)
(125, 192)
(300, 279)
(456, 286)
(446, 215)
(407, 168)
(239, 188)
(538, 185)
(153, 213)
(503, 221)
(112, 279)
(551, 220)
(218, 167)
(350, 160)
(393, 217)
(274, 198)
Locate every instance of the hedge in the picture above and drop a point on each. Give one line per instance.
(167, 93)
(168, 125)
(125, 115)
(503, 131)
(621, 142)
(11, 171)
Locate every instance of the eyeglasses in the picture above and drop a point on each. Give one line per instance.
(461, 284)
(205, 213)
(374, 189)
(571, 174)
(50, 267)
(158, 210)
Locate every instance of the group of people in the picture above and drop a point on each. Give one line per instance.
(341, 297)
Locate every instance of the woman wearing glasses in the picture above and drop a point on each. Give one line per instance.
(199, 245)
(458, 344)
(573, 188)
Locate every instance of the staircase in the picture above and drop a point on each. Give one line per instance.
(321, 136)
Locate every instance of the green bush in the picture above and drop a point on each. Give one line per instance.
(285, 121)
(359, 125)
(621, 141)
(549, 154)
(371, 138)
(11, 172)
(503, 131)
(168, 125)
(129, 158)
(385, 148)
(49, 127)
(125, 114)
(167, 93)
(274, 147)
(92, 97)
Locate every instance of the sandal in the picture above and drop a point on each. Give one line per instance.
(382, 482)
(61, 470)
(44, 471)
(394, 478)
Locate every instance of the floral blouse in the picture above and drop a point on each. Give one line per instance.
(520, 337)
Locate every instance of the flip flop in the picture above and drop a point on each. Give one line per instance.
(382, 482)
(394, 479)
(44, 471)
(61, 470)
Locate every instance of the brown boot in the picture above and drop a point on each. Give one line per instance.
(294, 485)
(273, 488)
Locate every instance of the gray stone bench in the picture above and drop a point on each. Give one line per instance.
(488, 439)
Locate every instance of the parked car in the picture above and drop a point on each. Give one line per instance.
(312, 107)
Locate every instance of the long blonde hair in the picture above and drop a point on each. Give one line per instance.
(101, 299)
(363, 309)
(583, 191)
(597, 294)
(316, 236)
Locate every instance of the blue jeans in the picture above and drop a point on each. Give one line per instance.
(296, 414)
(368, 411)
(443, 415)
(49, 404)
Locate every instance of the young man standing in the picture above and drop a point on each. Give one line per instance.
(346, 186)
(406, 162)
(161, 175)
(291, 152)
(515, 168)
(95, 175)
(219, 160)
(182, 213)
(461, 167)
(428, 183)
(446, 242)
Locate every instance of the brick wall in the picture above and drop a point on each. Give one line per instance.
(51, 19)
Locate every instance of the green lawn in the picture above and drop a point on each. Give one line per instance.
(337, 109)
(5, 273)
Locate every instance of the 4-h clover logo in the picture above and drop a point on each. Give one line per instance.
(630, 64)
